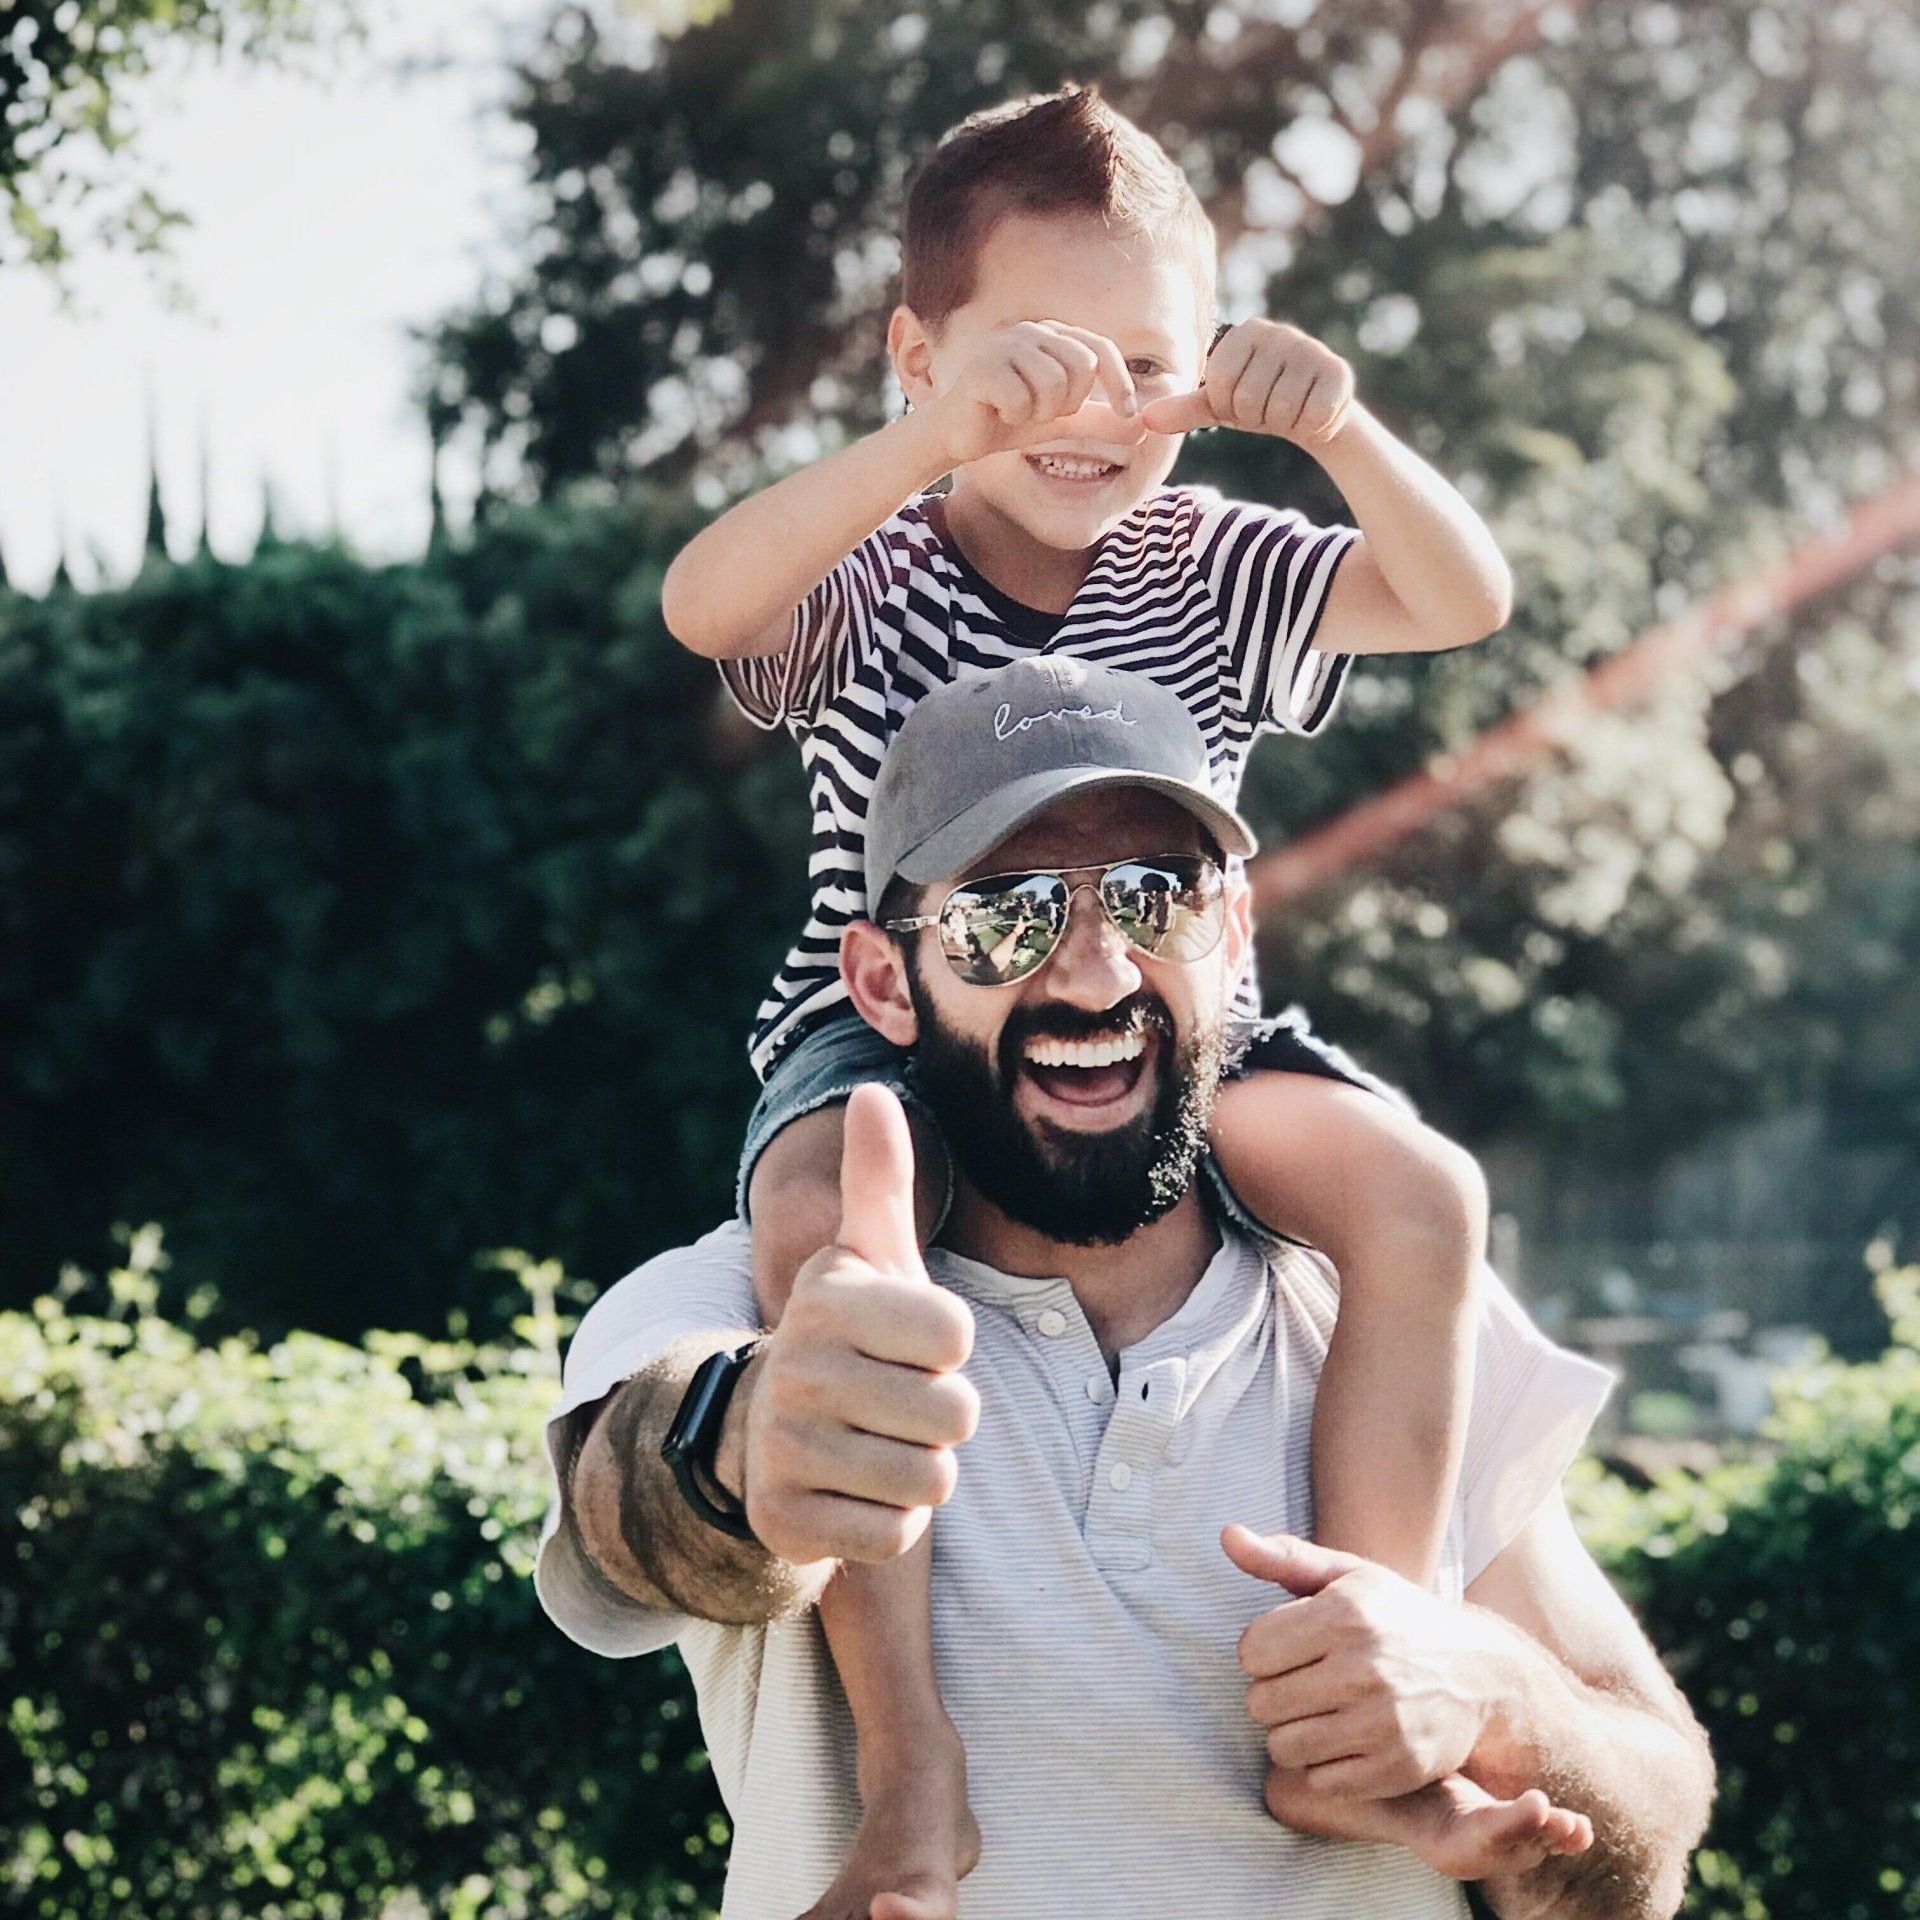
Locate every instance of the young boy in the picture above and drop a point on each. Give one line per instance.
(1053, 342)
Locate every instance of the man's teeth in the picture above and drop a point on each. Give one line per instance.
(1046, 1052)
(1067, 467)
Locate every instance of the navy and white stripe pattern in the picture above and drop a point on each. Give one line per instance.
(1216, 599)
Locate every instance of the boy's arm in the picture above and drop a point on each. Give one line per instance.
(731, 590)
(1425, 574)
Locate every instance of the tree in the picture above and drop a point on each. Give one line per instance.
(1640, 279)
(69, 131)
(356, 920)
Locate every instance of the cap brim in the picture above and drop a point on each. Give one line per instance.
(971, 835)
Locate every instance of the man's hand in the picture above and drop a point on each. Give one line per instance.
(1365, 1682)
(856, 1402)
(1264, 377)
(1027, 383)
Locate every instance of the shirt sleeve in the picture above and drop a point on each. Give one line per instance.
(701, 1289)
(832, 631)
(1534, 1404)
(1270, 570)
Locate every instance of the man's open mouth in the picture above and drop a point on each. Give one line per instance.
(1089, 1073)
(1074, 469)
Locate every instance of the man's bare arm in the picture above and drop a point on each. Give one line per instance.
(1585, 1711)
(637, 1531)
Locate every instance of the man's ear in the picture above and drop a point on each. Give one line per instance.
(875, 971)
(910, 347)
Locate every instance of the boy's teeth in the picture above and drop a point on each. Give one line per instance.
(1071, 469)
(1047, 1052)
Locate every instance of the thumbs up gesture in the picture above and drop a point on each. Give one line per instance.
(859, 1400)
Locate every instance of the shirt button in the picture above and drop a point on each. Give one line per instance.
(1053, 1323)
(1096, 1388)
(1121, 1478)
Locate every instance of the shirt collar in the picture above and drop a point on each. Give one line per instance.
(1228, 1303)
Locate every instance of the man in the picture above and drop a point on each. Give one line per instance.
(1107, 1376)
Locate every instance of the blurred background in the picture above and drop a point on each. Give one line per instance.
(384, 897)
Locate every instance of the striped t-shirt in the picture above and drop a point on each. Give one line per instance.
(1216, 599)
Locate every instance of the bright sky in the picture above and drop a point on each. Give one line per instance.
(330, 214)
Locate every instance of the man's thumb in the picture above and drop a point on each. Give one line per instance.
(876, 1181)
(1286, 1560)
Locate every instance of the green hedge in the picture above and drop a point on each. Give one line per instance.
(355, 917)
(270, 1647)
(1784, 1592)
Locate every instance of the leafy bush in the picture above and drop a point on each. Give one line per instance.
(352, 918)
(271, 1647)
(1785, 1593)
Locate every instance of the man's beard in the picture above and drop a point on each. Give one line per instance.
(1081, 1189)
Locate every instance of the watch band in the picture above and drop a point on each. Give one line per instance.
(694, 1436)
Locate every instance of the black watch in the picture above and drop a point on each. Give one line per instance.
(695, 1435)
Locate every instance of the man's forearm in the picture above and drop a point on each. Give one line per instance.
(637, 1530)
(1631, 1758)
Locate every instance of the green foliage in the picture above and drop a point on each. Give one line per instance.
(66, 70)
(271, 1647)
(1645, 291)
(355, 919)
(1785, 1595)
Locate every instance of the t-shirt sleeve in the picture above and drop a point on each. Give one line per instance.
(1270, 570)
(1533, 1405)
(833, 629)
(702, 1289)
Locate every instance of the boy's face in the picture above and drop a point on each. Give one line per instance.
(1141, 293)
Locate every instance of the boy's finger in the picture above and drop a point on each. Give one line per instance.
(1226, 368)
(1178, 413)
(1082, 368)
(1046, 378)
(1113, 369)
(876, 1182)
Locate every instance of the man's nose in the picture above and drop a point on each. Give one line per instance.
(1093, 966)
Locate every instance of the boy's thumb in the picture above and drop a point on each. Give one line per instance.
(1285, 1560)
(876, 1181)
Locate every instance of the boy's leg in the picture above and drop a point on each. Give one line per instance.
(917, 1836)
(1402, 1214)
(793, 1197)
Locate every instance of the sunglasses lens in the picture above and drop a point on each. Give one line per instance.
(1173, 909)
(1000, 930)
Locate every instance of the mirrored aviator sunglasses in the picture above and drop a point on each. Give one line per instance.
(1001, 927)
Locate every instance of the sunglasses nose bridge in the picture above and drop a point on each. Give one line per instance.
(1110, 945)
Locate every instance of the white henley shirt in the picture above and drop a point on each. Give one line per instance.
(1085, 1618)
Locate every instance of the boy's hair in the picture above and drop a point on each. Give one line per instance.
(1055, 153)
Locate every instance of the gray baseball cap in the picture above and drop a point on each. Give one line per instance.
(978, 758)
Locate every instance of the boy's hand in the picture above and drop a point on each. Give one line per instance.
(1026, 381)
(1264, 377)
(857, 1402)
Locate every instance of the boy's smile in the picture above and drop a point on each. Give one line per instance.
(1029, 520)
